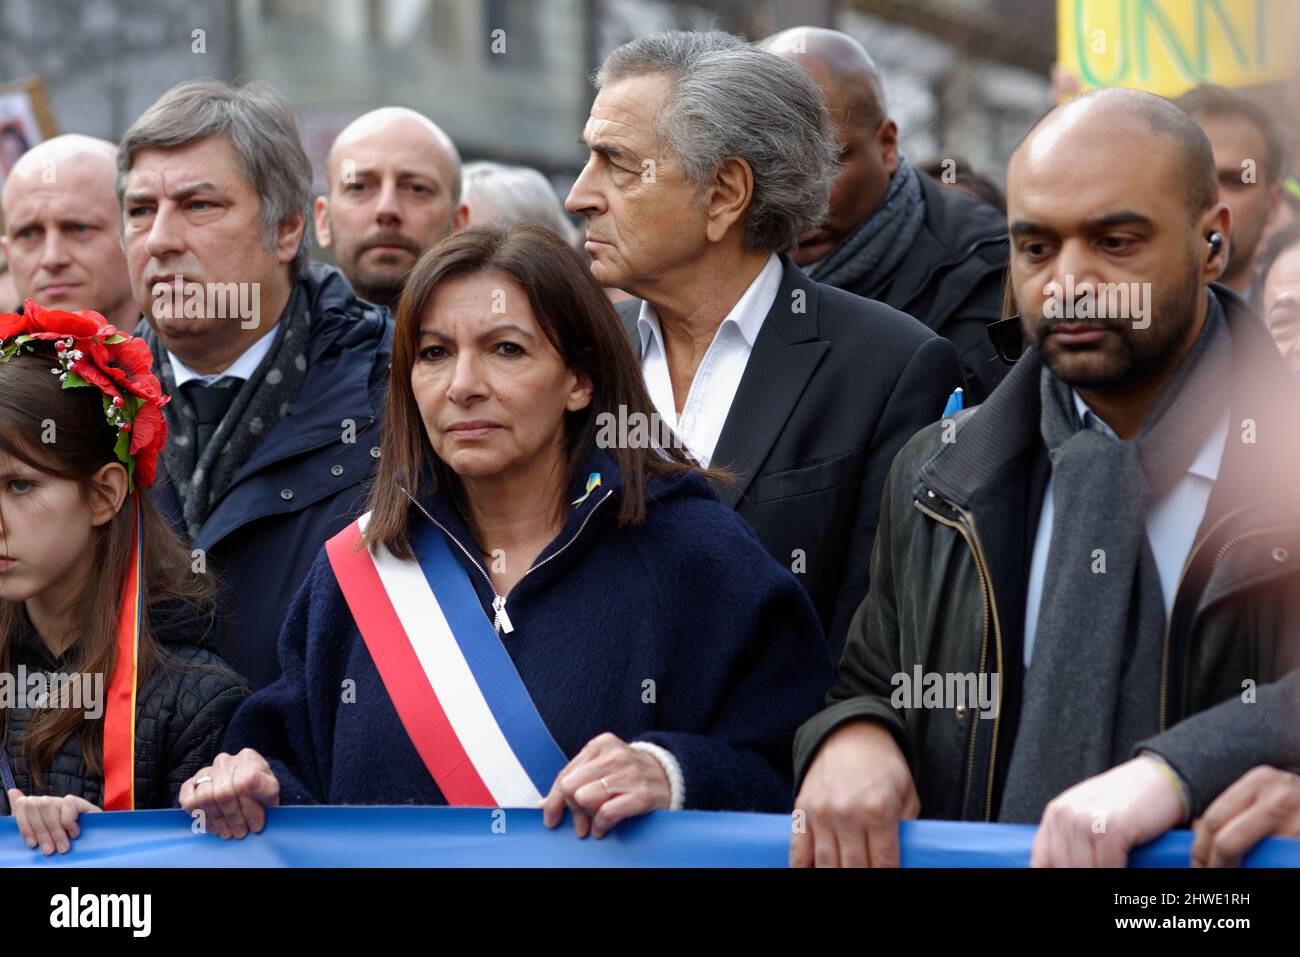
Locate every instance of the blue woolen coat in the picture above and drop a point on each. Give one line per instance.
(688, 600)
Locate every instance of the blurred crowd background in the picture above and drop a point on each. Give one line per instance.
(508, 79)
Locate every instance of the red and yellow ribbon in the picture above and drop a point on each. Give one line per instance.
(119, 713)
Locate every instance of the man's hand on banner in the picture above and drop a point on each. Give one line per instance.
(48, 821)
(607, 782)
(1263, 802)
(232, 793)
(1099, 820)
(857, 789)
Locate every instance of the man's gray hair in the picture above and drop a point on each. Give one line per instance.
(517, 194)
(732, 98)
(259, 125)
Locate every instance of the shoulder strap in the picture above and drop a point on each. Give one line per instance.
(453, 684)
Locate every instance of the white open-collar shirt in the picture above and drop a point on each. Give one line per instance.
(718, 377)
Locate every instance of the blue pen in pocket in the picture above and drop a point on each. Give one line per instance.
(955, 404)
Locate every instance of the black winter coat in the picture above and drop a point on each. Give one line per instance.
(952, 280)
(949, 574)
(181, 713)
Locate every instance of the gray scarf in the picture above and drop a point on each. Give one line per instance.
(881, 241)
(1093, 687)
(262, 400)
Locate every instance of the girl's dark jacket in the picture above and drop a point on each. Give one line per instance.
(681, 631)
(182, 710)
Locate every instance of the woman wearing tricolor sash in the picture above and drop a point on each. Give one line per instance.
(539, 608)
(110, 694)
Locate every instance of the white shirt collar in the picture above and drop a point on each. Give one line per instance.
(1208, 458)
(241, 368)
(746, 316)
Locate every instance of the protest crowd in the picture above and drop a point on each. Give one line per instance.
(769, 469)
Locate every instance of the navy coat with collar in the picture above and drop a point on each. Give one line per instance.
(834, 386)
(304, 482)
(687, 600)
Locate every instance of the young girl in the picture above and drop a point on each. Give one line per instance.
(110, 696)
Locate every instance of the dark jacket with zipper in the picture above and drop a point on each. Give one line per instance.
(687, 600)
(952, 280)
(182, 709)
(949, 578)
(304, 482)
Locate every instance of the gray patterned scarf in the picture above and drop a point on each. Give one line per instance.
(1093, 687)
(265, 398)
(881, 241)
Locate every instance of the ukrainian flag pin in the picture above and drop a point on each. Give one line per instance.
(593, 480)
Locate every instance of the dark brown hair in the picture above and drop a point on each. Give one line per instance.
(578, 320)
(30, 397)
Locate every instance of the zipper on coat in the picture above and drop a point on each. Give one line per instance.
(501, 619)
(966, 529)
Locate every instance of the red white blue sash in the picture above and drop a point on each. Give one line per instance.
(451, 680)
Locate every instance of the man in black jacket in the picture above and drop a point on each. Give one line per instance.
(276, 371)
(892, 233)
(802, 391)
(1109, 545)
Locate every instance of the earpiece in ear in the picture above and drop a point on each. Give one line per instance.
(1215, 241)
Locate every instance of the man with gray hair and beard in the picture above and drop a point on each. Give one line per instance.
(709, 157)
(275, 369)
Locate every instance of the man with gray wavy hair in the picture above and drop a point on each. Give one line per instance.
(275, 369)
(709, 157)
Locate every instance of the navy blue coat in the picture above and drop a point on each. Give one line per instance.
(688, 600)
(304, 482)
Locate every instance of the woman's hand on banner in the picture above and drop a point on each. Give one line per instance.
(607, 782)
(48, 821)
(232, 794)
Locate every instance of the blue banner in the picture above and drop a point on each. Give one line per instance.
(483, 837)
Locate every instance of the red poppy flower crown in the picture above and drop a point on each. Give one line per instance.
(91, 352)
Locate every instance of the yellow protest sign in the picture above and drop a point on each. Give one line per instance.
(1169, 46)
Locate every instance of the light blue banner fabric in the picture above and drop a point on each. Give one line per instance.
(482, 837)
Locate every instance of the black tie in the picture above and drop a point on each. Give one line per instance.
(210, 403)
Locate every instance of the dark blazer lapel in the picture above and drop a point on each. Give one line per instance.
(785, 354)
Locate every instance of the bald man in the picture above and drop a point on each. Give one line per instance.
(892, 233)
(1093, 593)
(394, 191)
(61, 229)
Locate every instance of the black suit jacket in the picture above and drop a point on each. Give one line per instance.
(833, 388)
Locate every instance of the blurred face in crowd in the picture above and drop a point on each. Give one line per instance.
(644, 218)
(1239, 147)
(1282, 304)
(391, 173)
(1094, 197)
(491, 388)
(61, 237)
(868, 146)
(189, 212)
